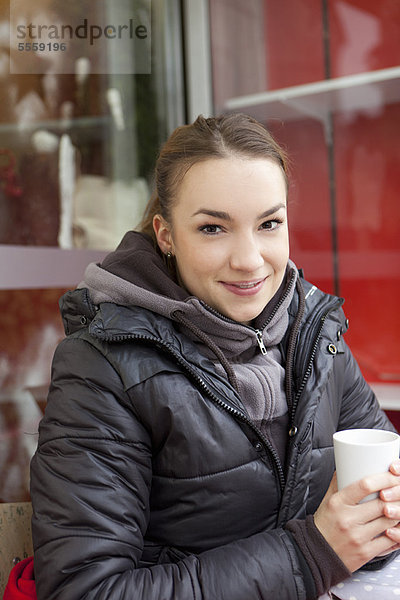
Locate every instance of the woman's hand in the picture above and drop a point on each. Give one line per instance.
(391, 496)
(354, 530)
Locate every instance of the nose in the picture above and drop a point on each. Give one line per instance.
(246, 254)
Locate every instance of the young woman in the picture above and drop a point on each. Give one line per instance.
(186, 450)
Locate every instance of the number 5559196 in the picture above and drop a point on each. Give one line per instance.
(42, 46)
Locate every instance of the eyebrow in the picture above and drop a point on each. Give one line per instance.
(219, 214)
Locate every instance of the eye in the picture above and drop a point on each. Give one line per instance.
(210, 229)
(269, 225)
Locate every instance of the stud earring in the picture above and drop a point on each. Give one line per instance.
(170, 264)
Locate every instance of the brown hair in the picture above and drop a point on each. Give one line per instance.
(214, 137)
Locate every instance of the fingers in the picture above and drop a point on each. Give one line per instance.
(391, 510)
(357, 545)
(395, 467)
(366, 542)
(360, 531)
(391, 494)
(390, 550)
(387, 482)
(379, 526)
(383, 545)
(393, 534)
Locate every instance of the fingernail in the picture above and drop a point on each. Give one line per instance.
(386, 494)
(390, 511)
(396, 466)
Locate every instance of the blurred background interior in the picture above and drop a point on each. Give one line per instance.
(77, 152)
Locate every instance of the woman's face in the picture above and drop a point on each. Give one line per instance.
(229, 234)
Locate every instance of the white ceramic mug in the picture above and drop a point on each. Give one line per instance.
(362, 452)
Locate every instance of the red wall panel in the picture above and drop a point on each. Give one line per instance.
(294, 36)
(367, 157)
(364, 35)
(309, 202)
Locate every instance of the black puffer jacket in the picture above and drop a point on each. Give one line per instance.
(151, 483)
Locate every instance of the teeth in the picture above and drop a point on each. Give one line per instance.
(245, 286)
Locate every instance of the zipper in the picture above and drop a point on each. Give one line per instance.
(293, 429)
(260, 341)
(307, 372)
(203, 386)
(258, 332)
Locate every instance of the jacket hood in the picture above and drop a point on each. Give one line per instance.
(138, 262)
(135, 274)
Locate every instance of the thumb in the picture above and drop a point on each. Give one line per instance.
(332, 489)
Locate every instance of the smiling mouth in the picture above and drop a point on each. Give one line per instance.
(245, 285)
(244, 288)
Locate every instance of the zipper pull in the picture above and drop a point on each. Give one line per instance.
(260, 341)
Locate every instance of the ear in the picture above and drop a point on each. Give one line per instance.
(163, 234)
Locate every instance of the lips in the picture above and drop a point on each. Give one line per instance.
(244, 288)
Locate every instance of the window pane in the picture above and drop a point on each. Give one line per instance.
(77, 151)
(325, 78)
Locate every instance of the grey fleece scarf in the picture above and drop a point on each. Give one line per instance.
(259, 377)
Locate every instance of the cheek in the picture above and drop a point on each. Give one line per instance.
(192, 256)
(198, 264)
(283, 257)
(277, 254)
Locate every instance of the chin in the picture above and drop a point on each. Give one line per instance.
(245, 317)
